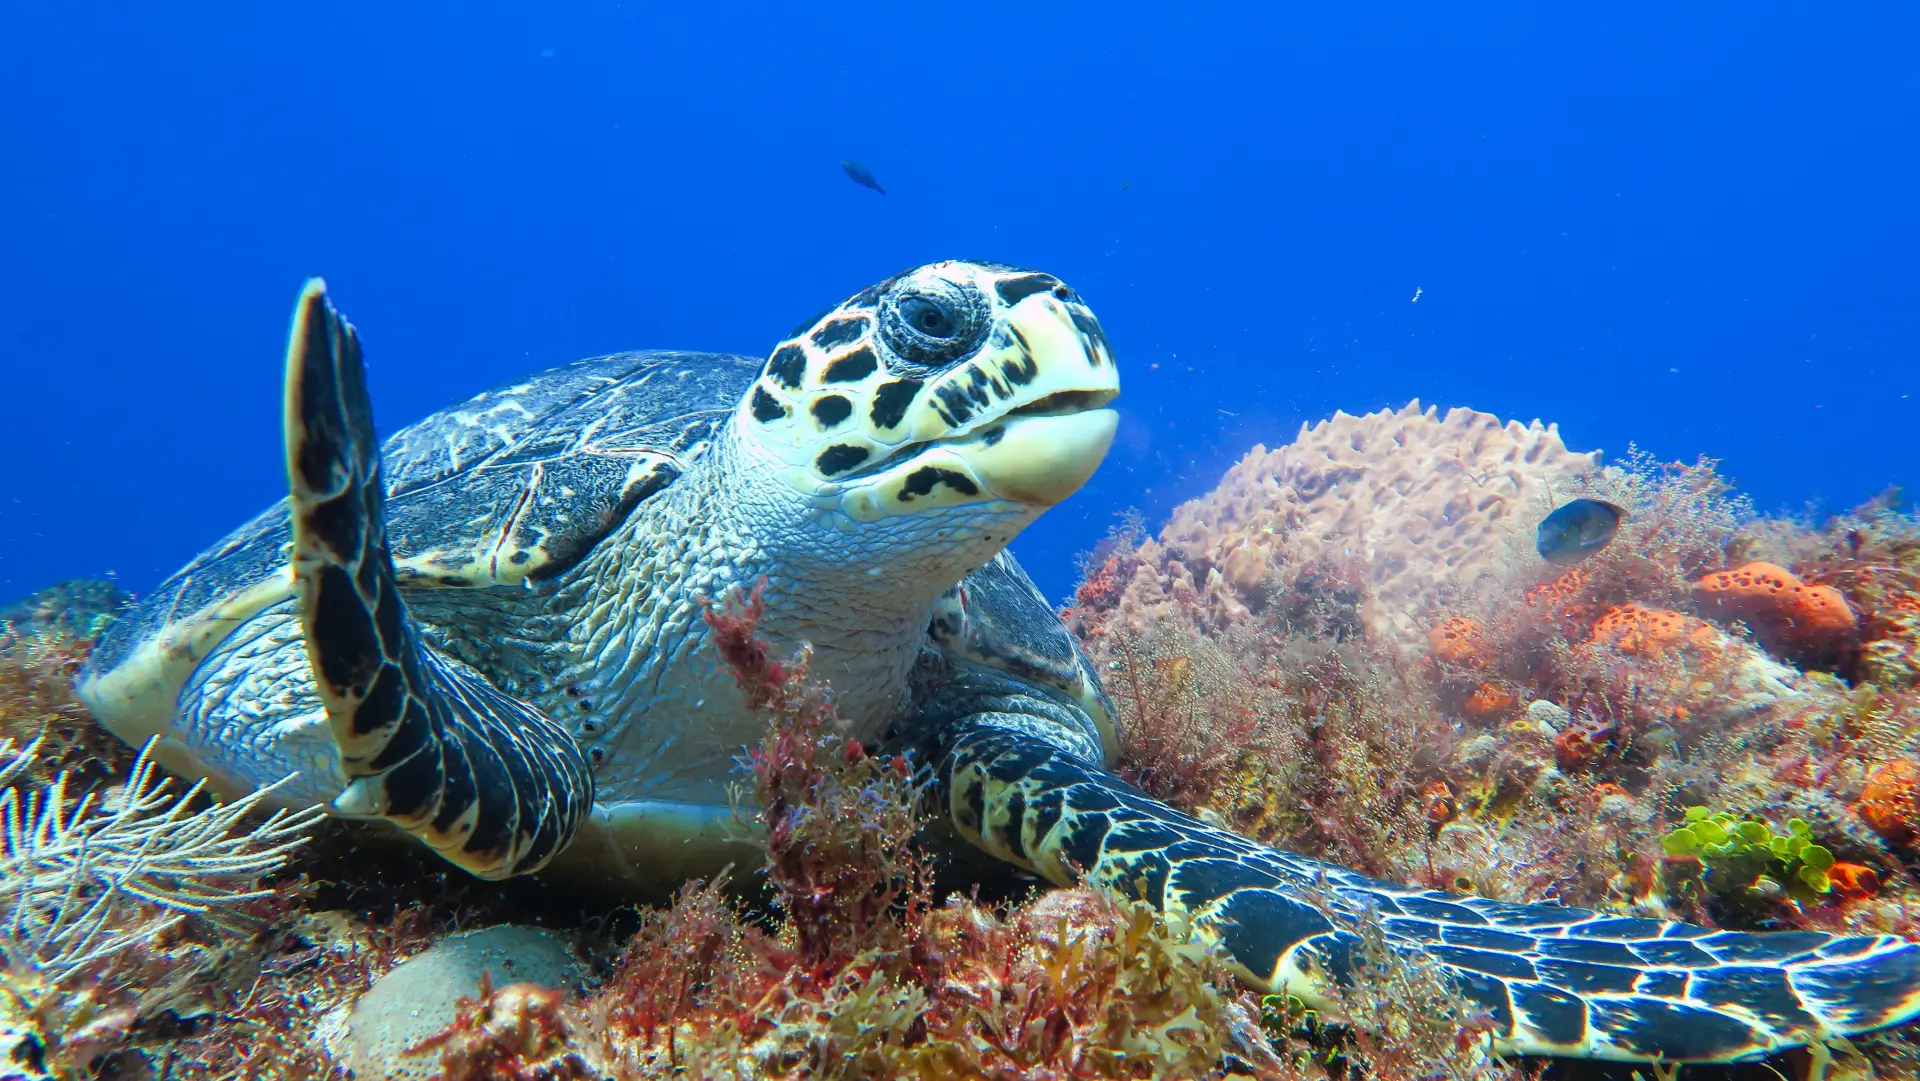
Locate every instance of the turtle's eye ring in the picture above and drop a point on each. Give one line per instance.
(929, 317)
(933, 322)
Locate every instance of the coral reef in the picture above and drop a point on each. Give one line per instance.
(114, 905)
(127, 902)
(852, 969)
(78, 609)
(1890, 800)
(517, 1033)
(1349, 650)
(1650, 732)
(1747, 857)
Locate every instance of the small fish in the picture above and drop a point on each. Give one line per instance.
(1577, 530)
(860, 175)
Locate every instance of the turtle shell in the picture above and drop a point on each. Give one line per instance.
(519, 482)
(510, 487)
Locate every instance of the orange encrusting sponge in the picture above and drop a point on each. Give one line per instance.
(1639, 631)
(1459, 640)
(1790, 617)
(1890, 800)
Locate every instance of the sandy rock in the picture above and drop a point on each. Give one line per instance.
(417, 999)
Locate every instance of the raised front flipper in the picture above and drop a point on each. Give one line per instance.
(488, 781)
(1556, 981)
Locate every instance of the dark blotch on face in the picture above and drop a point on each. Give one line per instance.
(1089, 327)
(788, 365)
(765, 408)
(922, 481)
(839, 458)
(853, 367)
(840, 332)
(891, 400)
(869, 298)
(955, 406)
(832, 410)
(1015, 290)
(809, 324)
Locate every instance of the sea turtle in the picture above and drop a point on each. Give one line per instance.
(489, 633)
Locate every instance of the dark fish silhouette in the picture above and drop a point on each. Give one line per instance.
(1577, 530)
(860, 175)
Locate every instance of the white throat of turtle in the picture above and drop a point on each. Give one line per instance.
(891, 566)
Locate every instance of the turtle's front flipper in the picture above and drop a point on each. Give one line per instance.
(488, 781)
(1556, 981)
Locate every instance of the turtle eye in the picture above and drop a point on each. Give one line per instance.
(933, 321)
(929, 317)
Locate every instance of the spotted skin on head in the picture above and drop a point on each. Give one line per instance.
(426, 743)
(849, 392)
(1555, 981)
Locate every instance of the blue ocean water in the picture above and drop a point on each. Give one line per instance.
(1691, 226)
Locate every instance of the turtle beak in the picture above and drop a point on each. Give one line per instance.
(1042, 459)
(1042, 452)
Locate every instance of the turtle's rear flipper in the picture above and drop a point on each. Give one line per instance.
(1551, 980)
(488, 781)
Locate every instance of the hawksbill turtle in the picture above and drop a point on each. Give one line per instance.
(488, 632)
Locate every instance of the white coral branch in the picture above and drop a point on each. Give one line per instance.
(81, 879)
(13, 761)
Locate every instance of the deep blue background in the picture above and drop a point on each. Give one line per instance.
(1693, 228)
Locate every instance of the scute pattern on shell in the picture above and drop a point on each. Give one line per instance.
(520, 481)
(539, 468)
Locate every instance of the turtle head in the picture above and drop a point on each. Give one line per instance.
(954, 385)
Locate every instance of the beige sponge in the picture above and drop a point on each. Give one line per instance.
(1425, 507)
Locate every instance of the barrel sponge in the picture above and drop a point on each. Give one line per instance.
(1428, 507)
